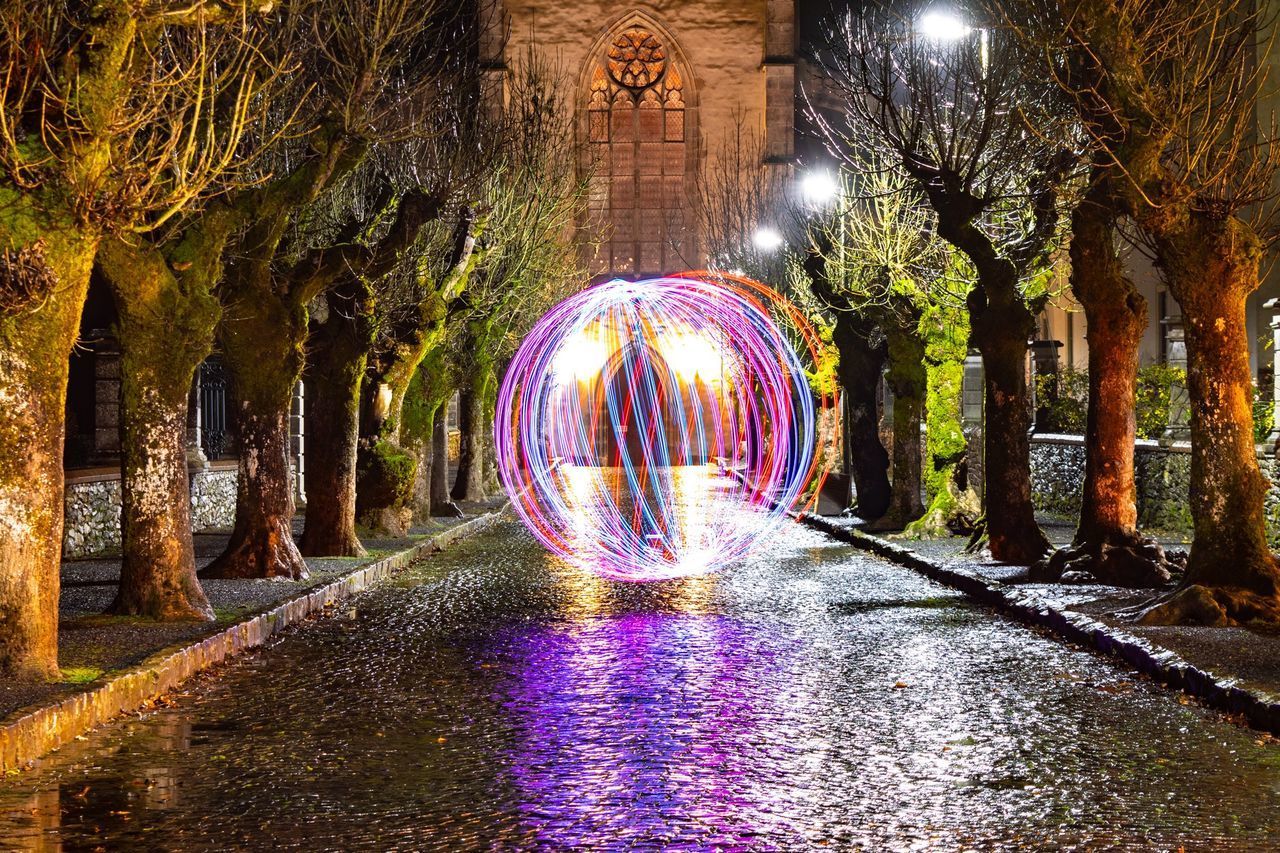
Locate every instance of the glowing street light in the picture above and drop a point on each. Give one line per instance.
(819, 188)
(767, 239)
(942, 25)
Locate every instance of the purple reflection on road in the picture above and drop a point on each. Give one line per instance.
(635, 727)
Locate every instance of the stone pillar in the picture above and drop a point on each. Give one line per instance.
(779, 68)
(1179, 428)
(297, 442)
(1273, 437)
(1044, 363)
(972, 401)
(495, 30)
(196, 460)
(972, 391)
(106, 398)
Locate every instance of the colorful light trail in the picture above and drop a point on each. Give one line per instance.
(630, 404)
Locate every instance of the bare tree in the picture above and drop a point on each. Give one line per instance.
(359, 314)
(992, 152)
(507, 232)
(368, 69)
(163, 272)
(103, 131)
(739, 195)
(876, 255)
(1169, 93)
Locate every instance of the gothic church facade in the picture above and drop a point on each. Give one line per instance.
(656, 88)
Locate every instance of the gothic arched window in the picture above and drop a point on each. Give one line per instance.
(636, 133)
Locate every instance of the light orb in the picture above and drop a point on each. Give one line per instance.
(662, 428)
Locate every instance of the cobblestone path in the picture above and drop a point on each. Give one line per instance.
(811, 698)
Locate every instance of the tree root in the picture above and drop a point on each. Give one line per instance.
(270, 554)
(170, 608)
(387, 520)
(978, 536)
(330, 544)
(447, 509)
(885, 524)
(1224, 606)
(1138, 563)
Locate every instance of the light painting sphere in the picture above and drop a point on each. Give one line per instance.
(654, 429)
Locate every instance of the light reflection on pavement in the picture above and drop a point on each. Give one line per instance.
(809, 697)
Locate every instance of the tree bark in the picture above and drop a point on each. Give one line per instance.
(166, 329)
(44, 278)
(338, 352)
(953, 507)
(469, 483)
(1014, 535)
(1001, 323)
(262, 347)
(442, 504)
(863, 351)
(1232, 576)
(1107, 544)
(421, 447)
(906, 377)
(167, 316)
(425, 406)
(1116, 316)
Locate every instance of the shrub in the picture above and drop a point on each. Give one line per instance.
(1264, 410)
(1067, 396)
(1064, 399)
(1152, 401)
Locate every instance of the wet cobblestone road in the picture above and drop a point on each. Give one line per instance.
(811, 697)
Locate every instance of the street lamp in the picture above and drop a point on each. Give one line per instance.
(767, 239)
(945, 25)
(819, 188)
(942, 25)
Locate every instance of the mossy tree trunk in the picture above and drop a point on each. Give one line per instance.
(262, 349)
(906, 377)
(167, 322)
(44, 278)
(392, 371)
(263, 337)
(952, 505)
(1002, 323)
(468, 484)
(426, 404)
(1107, 544)
(1232, 575)
(337, 354)
(46, 255)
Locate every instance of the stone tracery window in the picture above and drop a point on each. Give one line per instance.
(636, 124)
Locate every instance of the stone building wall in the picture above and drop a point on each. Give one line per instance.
(736, 60)
(91, 507)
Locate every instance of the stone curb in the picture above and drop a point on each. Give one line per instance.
(30, 733)
(1260, 709)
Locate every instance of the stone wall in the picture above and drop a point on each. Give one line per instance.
(1057, 470)
(213, 499)
(91, 518)
(1163, 475)
(91, 510)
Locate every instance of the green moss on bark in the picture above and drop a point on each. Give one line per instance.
(946, 332)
